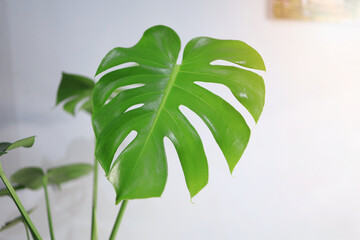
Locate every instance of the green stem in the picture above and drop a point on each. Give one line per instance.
(118, 220)
(45, 180)
(19, 205)
(27, 232)
(94, 235)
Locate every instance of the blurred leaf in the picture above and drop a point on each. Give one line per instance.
(67, 173)
(14, 221)
(3, 147)
(25, 142)
(30, 177)
(74, 89)
(5, 192)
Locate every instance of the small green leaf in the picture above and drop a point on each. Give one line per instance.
(25, 142)
(72, 90)
(14, 221)
(30, 177)
(67, 173)
(5, 192)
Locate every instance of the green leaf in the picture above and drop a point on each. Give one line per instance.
(5, 192)
(30, 177)
(67, 173)
(25, 142)
(3, 147)
(14, 221)
(73, 90)
(140, 171)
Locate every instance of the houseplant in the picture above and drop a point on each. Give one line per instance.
(144, 94)
(35, 178)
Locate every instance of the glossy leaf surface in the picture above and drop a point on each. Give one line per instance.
(25, 142)
(159, 88)
(75, 91)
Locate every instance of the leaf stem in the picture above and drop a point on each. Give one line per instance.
(118, 220)
(27, 232)
(45, 180)
(19, 205)
(94, 234)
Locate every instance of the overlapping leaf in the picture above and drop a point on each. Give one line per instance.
(162, 86)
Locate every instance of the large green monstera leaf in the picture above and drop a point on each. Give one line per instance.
(151, 108)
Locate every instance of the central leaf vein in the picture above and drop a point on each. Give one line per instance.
(160, 108)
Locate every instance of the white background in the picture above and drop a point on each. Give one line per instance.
(299, 177)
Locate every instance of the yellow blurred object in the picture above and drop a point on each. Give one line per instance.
(317, 10)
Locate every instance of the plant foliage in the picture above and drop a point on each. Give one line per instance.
(33, 177)
(75, 91)
(25, 142)
(150, 106)
(14, 221)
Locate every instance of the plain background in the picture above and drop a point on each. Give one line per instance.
(299, 177)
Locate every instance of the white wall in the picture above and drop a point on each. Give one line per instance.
(299, 178)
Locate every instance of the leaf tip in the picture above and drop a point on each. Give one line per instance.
(194, 190)
(231, 168)
(261, 65)
(98, 71)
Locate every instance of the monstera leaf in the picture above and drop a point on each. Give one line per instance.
(75, 90)
(25, 142)
(33, 177)
(150, 106)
